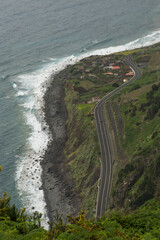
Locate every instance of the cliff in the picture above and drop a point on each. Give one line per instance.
(73, 158)
(136, 112)
(133, 116)
(86, 82)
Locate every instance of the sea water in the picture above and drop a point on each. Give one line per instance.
(39, 38)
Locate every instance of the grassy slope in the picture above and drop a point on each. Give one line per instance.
(138, 180)
(87, 80)
(136, 176)
(82, 149)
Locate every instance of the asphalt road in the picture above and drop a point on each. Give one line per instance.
(105, 180)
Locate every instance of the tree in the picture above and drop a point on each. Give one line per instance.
(152, 111)
(149, 96)
(155, 87)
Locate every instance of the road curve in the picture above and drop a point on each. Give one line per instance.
(105, 144)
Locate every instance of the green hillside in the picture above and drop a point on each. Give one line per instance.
(86, 82)
(136, 112)
(135, 129)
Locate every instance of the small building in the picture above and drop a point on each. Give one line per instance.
(95, 99)
(81, 77)
(115, 67)
(129, 74)
(107, 67)
(90, 114)
(109, 73)
(92, 75)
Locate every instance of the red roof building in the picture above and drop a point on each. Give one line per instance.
(130, 74)
(115, 67)
(109, 73)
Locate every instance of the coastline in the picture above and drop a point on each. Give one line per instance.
(57, 182)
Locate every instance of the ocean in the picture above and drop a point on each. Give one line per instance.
(39, 38)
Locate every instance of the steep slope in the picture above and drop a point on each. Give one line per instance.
(86, 83)
(136, 112)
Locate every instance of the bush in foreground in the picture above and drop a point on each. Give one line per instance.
(143, 223)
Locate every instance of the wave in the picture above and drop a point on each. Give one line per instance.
(30, 89)
(151, 38)
(49, 59)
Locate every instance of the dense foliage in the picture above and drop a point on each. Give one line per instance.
(143, 223)
(136, 113)
(15, 224)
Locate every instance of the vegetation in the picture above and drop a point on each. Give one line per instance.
(15, 224)
(142, 224)
(82, 150)
(137, 175)
(87, 80)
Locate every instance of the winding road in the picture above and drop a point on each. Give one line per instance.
(105, 180)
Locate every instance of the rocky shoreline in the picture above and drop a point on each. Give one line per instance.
(56, 177)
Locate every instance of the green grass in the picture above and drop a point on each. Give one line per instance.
(137, 135)
(129, 52)
(87, 84)
(142, 140)
(82, 147)
(86, 108)
(82, 150)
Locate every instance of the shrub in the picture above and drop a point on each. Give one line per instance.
(135, 87)
(115, 85)
(152, 111)
(4, 204)
(142, 107)
(13, 213)
(149, 96)
(155, 87)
